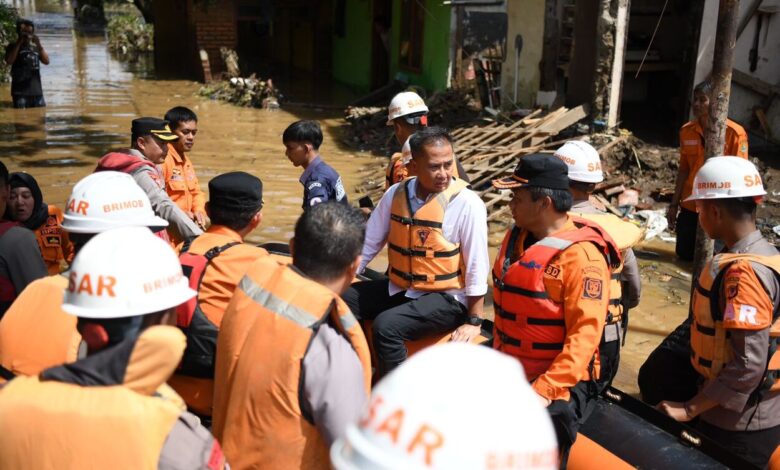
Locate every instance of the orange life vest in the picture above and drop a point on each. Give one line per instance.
(257, 412)
(51, 423)
(53, 241)
(710, 350)
(398, 170)
(25, 347)
(419, 255)
(528, 324)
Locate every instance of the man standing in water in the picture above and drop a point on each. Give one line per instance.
(25, 58)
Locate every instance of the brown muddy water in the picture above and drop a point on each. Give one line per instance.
(92, 98)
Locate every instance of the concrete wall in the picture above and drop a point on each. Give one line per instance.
(436, 46)
(525, 18)
(743, 100)
(352, 53)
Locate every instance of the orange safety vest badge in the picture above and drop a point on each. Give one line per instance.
(420, 257)
(529, 324)
(53, 241)
(258, 410)
(713, 317)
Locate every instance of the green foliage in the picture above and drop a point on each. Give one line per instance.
(8, 17)
(128, 36)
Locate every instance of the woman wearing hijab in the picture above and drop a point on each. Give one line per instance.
(26, 206)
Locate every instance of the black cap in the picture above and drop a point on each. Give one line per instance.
(538, 169)
(236, 191)
(153, 126)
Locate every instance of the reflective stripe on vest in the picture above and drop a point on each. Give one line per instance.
(420, 257)
(529, 325)
(710, 350)
(265, 422)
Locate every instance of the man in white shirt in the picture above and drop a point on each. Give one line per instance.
(436, 232)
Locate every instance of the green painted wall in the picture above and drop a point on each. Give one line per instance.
(436, 46)
(352, 53)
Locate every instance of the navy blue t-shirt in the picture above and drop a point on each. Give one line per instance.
(321, 183)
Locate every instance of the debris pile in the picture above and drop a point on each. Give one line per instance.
(129, 36)
(249, 92)
(367, 126)
(242, 91)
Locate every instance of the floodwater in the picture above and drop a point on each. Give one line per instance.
(92, 98)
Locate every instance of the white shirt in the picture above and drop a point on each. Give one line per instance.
(406, 152)
(465, 222)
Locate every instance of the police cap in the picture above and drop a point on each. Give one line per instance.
(237, 190)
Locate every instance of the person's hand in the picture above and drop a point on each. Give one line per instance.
(464, 333)
(674, 409)
(544, 400)
(200, 218)
(36, 40)
(671, 216)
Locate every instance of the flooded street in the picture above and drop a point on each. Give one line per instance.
(91, 99)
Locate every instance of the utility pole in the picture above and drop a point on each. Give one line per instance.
(715, 134)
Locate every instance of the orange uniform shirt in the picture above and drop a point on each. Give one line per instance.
(181, 183)
(584, 314)
(219, 281)
(692, 152)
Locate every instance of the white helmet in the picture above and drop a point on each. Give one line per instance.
(125, 272)
(583, 161)
(404, 104)
(418, 416)
(106, 200)
(726, 177)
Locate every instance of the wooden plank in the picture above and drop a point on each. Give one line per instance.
(572, 116)
(759, 86)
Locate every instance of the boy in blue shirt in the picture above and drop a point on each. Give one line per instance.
(320, 181)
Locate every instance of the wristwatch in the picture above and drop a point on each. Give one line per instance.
(474, 321)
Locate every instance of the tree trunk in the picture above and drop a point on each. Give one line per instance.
(146, 9)
(715, 134)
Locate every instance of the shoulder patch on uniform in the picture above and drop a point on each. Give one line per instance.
(314, 201)
(552, 270)
(313, 185)
(593, 289)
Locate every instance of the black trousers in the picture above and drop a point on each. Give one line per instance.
(569, 415)
(609, 357)
(667, 374)
(687, 222)
(754, 446)
(397, 319)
